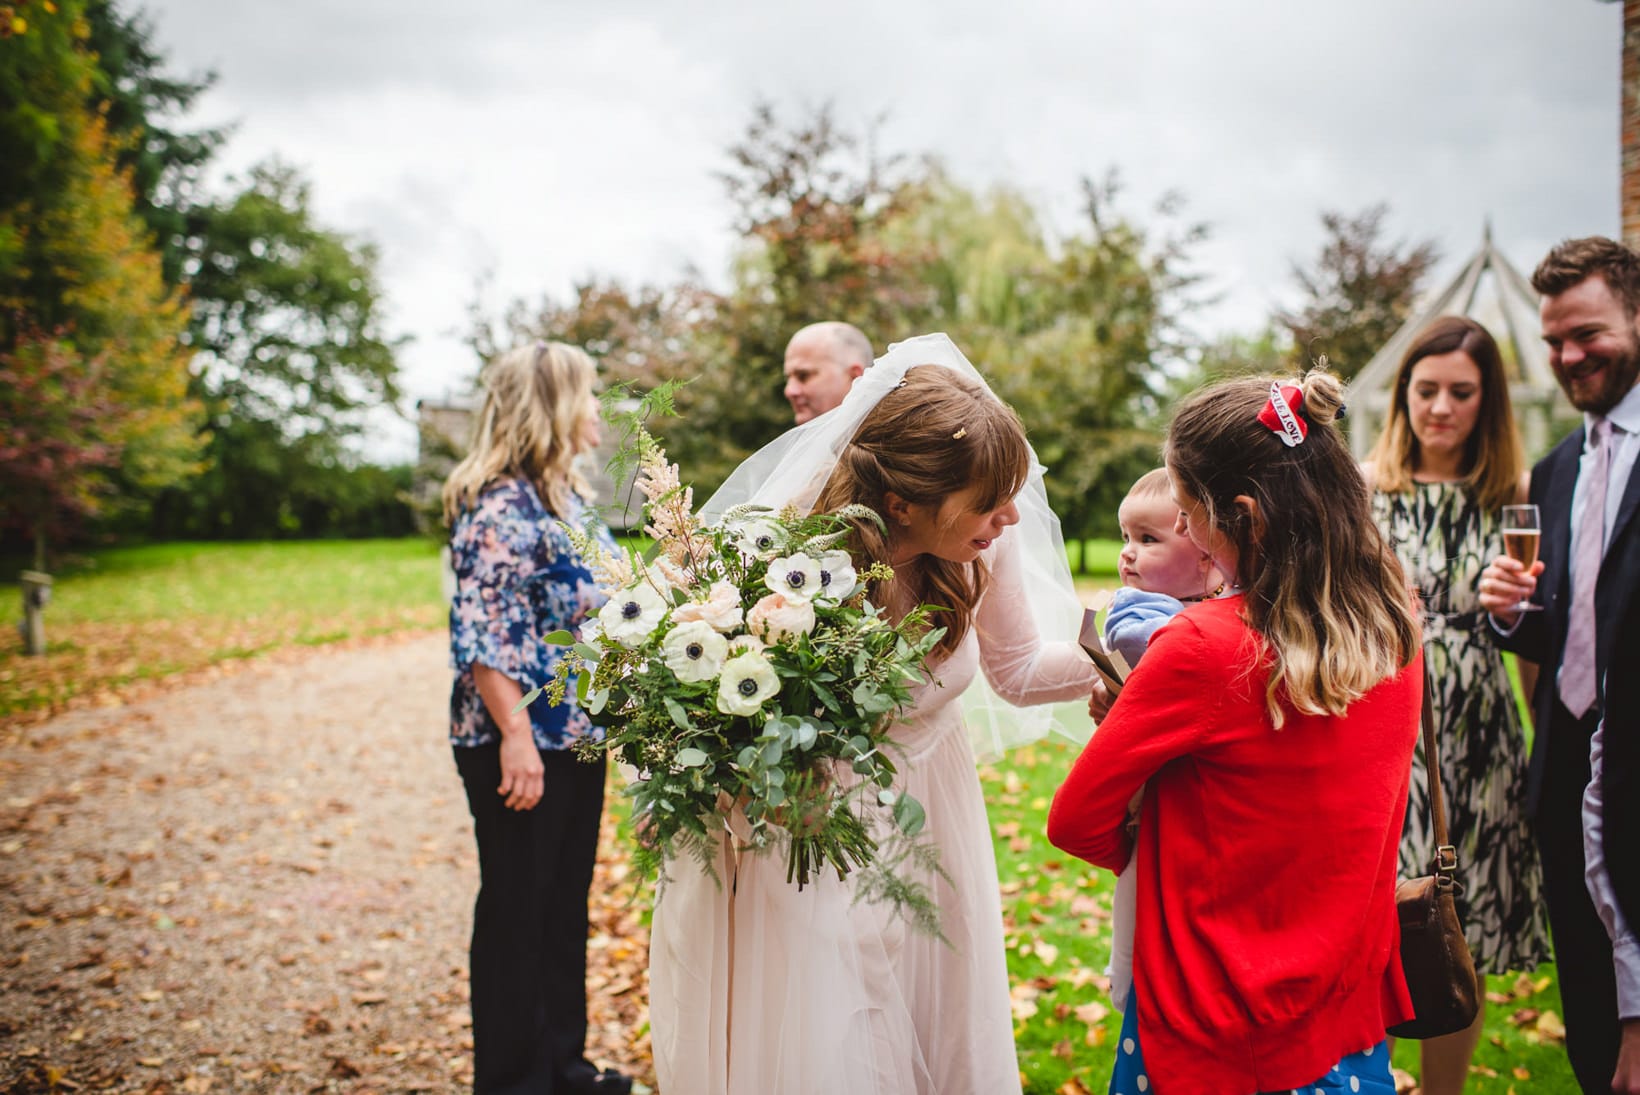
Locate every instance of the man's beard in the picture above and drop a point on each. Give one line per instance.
(1618, 377)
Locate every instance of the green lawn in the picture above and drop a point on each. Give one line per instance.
(133, 613)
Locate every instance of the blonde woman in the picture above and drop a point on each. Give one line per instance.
(1446, 464)
(535, 806)
(1273, 730)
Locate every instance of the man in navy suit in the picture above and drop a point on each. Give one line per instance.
(1584, 790)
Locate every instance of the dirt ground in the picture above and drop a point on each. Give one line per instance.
(261, 881)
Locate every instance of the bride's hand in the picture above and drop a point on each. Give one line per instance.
(1099, 703)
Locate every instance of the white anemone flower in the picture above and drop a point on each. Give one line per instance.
(838, 579)
(694, 652)
(746, 682)
(758, 536)
(631, 615)
(794, 577)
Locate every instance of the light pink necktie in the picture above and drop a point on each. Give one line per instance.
(1577, 668)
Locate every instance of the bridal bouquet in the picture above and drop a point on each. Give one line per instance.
(745, 675)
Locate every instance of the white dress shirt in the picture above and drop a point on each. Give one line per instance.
(1624, 447)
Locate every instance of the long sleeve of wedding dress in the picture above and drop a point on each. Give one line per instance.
(1023, 665)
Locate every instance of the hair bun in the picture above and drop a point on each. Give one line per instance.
(1323, 396)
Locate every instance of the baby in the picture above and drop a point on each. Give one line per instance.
(1161, 570)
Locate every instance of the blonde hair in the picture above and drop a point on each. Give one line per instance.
(1323, 589)
(1492, 461)
(1152, 484)
(535, 399)
(933, 435)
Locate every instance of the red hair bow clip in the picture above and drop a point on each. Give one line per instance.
(1280, 414)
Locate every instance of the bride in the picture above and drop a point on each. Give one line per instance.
(757, 988)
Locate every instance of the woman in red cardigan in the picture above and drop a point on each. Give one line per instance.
(1275, 729)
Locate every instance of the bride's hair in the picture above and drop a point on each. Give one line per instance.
(535, 398)
(935, 434)
(1323, 588)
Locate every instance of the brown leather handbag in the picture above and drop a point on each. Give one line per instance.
(1440, 974)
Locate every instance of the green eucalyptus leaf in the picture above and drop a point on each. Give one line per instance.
(524, 701)
(690, 757)
(680, 717)
(909, 815)
(558, 638)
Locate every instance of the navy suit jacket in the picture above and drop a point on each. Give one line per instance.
(1541, 637)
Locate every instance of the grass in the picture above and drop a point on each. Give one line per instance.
(131, 614)
(136, 613)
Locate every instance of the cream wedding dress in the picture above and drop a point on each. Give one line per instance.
(757, 988)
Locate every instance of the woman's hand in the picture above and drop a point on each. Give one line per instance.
(520, 770)
(1503, 585)
(1099, 703)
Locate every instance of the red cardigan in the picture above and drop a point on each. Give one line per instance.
(1267, 945)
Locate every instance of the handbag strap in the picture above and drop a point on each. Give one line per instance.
(1446, 855)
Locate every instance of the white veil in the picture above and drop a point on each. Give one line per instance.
(795, 466)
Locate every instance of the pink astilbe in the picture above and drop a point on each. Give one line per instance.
(671, 522)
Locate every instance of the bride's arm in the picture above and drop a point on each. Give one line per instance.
(1024, 666)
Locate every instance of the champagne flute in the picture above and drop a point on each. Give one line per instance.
(1521, 531)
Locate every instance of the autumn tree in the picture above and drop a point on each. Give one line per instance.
(1357, 293)
(143, 106)
(75, 260)
(1082, 334)
(813, 206)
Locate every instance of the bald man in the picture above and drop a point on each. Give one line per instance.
(822, 362)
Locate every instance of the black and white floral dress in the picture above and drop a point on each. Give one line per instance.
(1444, 539)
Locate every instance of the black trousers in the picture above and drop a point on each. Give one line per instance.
(529, 948)
(1583, 950)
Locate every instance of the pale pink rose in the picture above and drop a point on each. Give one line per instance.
(774, 618)
(721, 609)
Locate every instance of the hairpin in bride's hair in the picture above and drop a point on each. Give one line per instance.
(1280, 413)
(960, 434)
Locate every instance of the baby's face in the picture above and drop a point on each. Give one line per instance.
(1155, 558)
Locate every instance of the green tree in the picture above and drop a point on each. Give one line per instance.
(142, 105)
(1357, 293)
(76, 260)
(290, 354)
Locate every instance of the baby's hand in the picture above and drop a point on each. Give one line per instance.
(1100, 702)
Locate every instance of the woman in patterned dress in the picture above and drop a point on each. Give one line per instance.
(536, 807)
(1446, 464)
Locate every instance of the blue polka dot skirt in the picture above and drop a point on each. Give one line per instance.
(1364, 1073)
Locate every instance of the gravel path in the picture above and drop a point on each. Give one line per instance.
(261, 881)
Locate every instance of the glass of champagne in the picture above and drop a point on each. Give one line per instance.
(1520, 541)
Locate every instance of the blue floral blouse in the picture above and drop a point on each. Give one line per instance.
(518, 578)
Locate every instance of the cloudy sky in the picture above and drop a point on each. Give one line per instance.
(536, 142)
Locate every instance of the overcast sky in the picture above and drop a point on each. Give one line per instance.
(542, 142)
